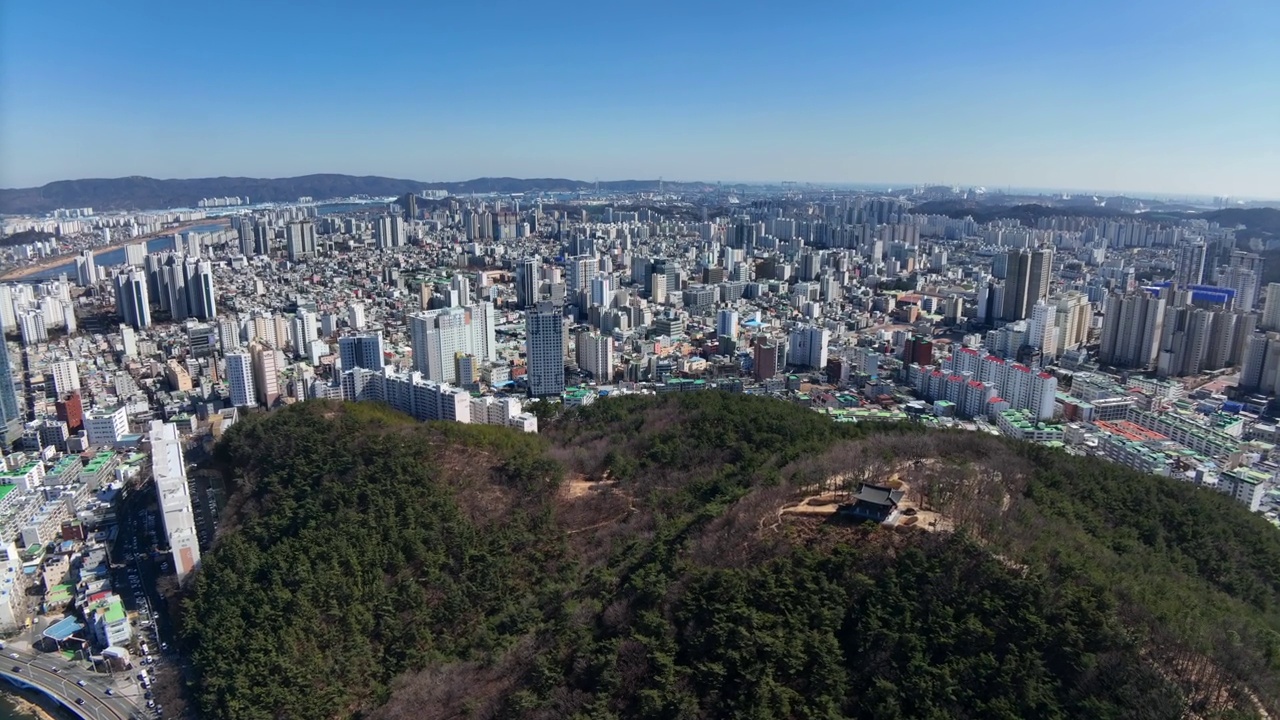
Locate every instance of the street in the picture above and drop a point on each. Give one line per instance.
(138, 569)
(69, 681)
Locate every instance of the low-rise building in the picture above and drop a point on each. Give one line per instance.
(27, 477)
(1246, 485)
(101, 470)
(107, 619)
(1022, 425)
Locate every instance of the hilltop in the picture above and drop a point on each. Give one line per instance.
(679, 556)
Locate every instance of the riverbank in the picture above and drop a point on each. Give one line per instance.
(18, 704)
(26, 271)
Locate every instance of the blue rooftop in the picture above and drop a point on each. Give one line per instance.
(63, 629)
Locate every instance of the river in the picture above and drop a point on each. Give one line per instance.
(106, 258)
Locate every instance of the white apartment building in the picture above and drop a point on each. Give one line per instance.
(240, 379)
(106, 427)
(595, 355)
(11, 587)
(66, 376)
(170, 471)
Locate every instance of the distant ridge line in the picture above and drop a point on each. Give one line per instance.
(146, 193)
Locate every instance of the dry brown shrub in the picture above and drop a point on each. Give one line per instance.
(469, 690)
(744, 535)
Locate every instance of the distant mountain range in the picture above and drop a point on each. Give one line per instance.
(144, 193)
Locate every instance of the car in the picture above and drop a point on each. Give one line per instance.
(80, 683)
(148, 695)
(109, 691)
(13, 655)
(79, 701)
(17, 668)
(151, 703)
(54, 670)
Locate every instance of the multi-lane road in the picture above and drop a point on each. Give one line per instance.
(82, 691)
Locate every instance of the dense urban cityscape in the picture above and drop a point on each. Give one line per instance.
(136, 339)
(651, 361)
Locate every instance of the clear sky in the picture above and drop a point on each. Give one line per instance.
(1168, 96)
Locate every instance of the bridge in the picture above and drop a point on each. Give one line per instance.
(36, 672)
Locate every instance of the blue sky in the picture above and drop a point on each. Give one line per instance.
(1169, 96)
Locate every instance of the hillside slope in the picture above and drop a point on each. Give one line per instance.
(676, 557)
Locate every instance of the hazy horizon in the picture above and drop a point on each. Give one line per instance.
(835, 184)
(1174, 98)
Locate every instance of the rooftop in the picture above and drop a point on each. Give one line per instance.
(63, 629)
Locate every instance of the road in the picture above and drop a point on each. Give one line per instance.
(36, 670)
(136, 572)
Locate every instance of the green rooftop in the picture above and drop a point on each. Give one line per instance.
(5, 490)
(115, 611)
(98, 462)
(21, 472)
(1249, 475)
(67, 463)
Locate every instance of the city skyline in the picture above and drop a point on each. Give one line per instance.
(137, 339)
(1158, 98)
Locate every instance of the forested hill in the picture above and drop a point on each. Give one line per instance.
(678, 557)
